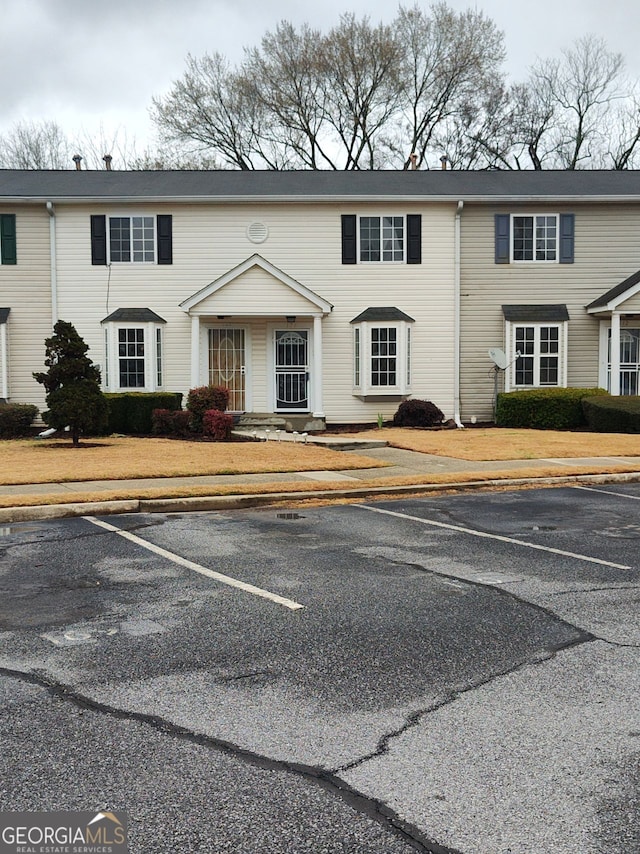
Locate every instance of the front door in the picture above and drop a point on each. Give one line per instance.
(227, 364)
(629, 360)
(291, 369)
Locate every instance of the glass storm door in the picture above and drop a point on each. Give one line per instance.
(227, 364)
(629, 361)
(292, 369)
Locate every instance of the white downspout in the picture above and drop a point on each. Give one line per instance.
(456, 322)
(54, 265)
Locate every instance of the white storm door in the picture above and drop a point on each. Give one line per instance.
(291, 362)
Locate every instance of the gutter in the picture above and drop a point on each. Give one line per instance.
(456, 320)
(54, 264)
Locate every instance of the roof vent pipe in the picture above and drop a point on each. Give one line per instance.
(443, 162)
(77, 159)
(107, 162)
(414, 160)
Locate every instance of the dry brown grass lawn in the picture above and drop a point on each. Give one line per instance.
(37, 461)
(494, 443)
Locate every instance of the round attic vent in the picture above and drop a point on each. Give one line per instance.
(257, 232)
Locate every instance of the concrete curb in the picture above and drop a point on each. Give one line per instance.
(239, 501)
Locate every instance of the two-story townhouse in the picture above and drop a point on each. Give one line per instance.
(322, 293)
(334, 295)
(549, 276)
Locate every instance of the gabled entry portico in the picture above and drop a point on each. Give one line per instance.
(259, 332)
(619, 313)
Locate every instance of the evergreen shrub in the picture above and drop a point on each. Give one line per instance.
(16, 419)
(609, 414)
(544, 408)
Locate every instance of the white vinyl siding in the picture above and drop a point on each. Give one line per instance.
(25, 288)
(304, 241)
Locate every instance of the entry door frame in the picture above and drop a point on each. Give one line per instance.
(272, 328)
(204, 361)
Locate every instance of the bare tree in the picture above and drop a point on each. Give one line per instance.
(359, 66)
(35, 145)
(283, 77)
(451, 62)
(209, 107)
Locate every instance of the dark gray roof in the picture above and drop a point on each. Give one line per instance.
(229, 185)
(532, 313)
(4, 314)
(134, 315)
(382, 314)
(617, 291)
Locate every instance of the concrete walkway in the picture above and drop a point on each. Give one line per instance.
(354, 482)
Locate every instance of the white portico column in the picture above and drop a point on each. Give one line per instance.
(195, 351)
(615, 353)
(318, 406)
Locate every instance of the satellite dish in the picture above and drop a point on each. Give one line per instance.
(499, 358)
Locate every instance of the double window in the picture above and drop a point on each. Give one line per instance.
(381, 238)
(539, 361)
(136, 238)
(382, 352)
(534, 238)
(132, 238)
(392, 238)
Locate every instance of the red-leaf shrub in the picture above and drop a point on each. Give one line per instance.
(217, 425)
(204, 398)
(168, 422)
(418, 413)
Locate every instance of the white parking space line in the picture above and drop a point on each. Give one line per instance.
(608, 492)
(488, 536)
(196, 567)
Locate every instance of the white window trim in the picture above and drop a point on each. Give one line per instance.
(111, 373)
(512, 354)
(130, 215)
(403, 359)
(513, 260)
(380, 216)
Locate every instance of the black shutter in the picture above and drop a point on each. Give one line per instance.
(165, 239)
(98, 240)
(414, 238)
(567, 231)
(502, 238)
(8, 239)
(349, 238)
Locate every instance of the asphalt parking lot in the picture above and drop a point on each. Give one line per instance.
(451, 674)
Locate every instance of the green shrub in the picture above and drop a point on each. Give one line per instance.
(171, 422)
(16, 419)
(544, 408)
(608, 414)
(130, 412)
(417, 413)
(205, 398)
(217, 425)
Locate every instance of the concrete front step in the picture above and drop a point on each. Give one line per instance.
(303, 422)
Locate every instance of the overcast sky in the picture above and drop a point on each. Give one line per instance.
(92, 63)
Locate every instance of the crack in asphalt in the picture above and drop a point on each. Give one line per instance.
(416, 717)
(325, 779)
